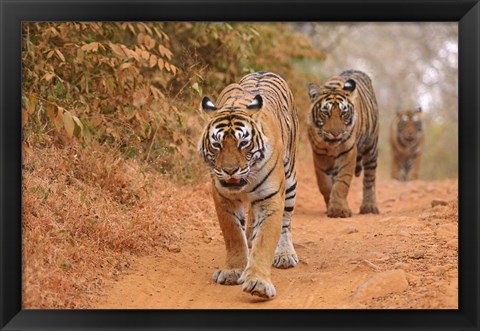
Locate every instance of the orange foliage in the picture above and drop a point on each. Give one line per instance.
(135, 86)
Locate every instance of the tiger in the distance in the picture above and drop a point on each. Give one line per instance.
(249, 147)
(343, 133)
(406, 141)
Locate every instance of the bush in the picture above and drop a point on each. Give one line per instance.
(136, 86)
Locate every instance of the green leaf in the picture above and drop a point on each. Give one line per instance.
(197, 88)
(78, 127)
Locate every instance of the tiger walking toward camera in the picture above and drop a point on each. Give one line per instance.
(343, 134)
(249, 147)
(406, 141)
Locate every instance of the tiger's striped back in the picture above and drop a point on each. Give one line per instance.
(366, 104)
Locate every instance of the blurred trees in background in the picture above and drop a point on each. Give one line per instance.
(411, 64)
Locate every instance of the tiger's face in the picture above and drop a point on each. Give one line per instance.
(231, 144)
(409, 125)
(332, 112)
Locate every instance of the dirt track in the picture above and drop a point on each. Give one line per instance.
(406, 257)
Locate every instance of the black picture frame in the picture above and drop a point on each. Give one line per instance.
(14, 12)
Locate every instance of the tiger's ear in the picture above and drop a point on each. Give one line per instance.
(257, 103)
(349, 85)
(207, 105)
(313, 91)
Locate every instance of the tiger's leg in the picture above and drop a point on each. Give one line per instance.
(416, 168)
(249, 227)
(344, 170)
(266, 228)
(358, 167)
(405, 169)
(369, 203)
(232, 223)
(323, 169)
(395, 171)
(285, 255)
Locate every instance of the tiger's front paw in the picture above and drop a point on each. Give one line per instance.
(285, 261)
(285, 255)
(227, 276)
(338, 211)
(258, 286)
(369, 208)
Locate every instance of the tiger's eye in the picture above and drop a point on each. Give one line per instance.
(216, 145)
(243, 143)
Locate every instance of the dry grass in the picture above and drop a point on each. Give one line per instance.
(86, 213)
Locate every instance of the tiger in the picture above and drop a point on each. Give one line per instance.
(343, 132)
(249, 146)
(406, 141)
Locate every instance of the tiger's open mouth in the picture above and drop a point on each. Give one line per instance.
(233, 182)
(334, 140)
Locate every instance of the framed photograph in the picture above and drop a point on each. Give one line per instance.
(239, 165)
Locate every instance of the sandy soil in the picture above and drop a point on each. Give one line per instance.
(406, 257)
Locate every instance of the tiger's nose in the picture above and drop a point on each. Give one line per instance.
(336, 133)
(230, 171)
